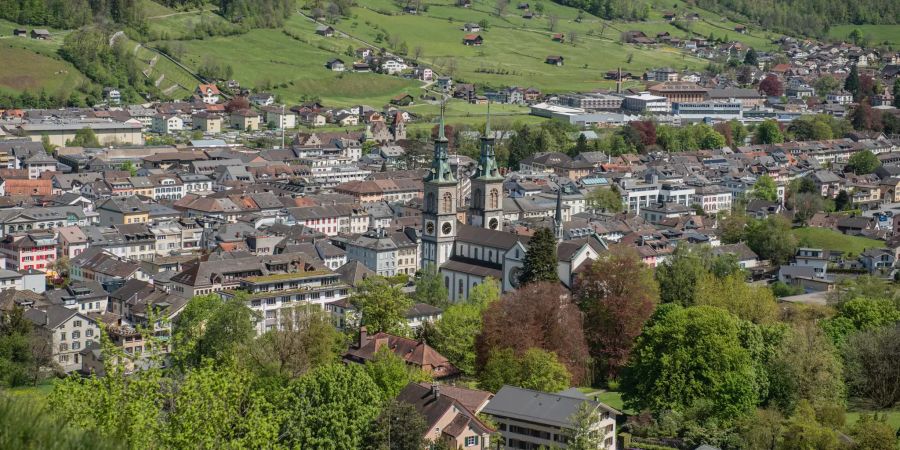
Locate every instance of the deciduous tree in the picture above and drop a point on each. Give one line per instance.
(618, 295)
(732, 293)
(390, 373)
(537, 315)
(863, 162)
(686, 355)
(532, 369)
(872, 369)
(382, 306)
(430, 288)
(400, 426)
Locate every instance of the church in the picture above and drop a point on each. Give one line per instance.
(466, 253)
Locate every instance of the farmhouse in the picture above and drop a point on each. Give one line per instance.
(555, 60)
(40, 33)
(209, 93)
(559, 37)
(336, 65)
(402, 100)
(20, 32)
(472, 28)
(325, 30)
(473, 39)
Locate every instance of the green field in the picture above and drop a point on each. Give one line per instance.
(833, 240)
(877, 34)
(893, 417)
(32, 64)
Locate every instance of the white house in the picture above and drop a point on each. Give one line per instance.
(392, 66)
(167, 123)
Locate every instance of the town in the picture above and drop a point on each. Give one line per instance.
(702, 257)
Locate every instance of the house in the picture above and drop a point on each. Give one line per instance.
(112, 95)
(746, 258)
(20, 32)
(559, 37)
(245, 119)
(534, 419)
(40, 33)
(32, 250)
(415, 353)
(741, 29)
(402, 100)
(361, 67)
(668, 16)
(123, 210)
(473, 39)
(878, 260)
(262, 99)
(325, 30)
(555, 60)
(393, 66)
(208, 122)
(472, 27)
(450, 414)
(167, 123)
(335, 65)
(208, 93)
(523, 5)
(67, 331)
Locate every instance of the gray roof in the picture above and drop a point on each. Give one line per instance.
(51, 317)
(538, 407)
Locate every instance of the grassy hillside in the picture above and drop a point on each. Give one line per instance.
(877, 34)
(32, 65)
(834, 240)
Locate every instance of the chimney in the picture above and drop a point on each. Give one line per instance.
(363, 336)
(435, 391)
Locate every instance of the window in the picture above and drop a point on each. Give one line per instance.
(471, 441)
(62, 335)
(447, 203)
(77, 324)
(461, 287)
(76, 335)
(76, 345)
(89, 332)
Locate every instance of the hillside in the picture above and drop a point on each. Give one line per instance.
(34, 65)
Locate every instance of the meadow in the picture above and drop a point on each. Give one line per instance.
(877, 34)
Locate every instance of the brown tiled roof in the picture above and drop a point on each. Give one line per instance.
(414, 352)
(28, 187)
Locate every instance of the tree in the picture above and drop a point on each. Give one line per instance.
(540, 258)
(855, 35)
(768, 132)
(772, 239)
(873, 433)
(750, 58)
(331, 407)
(552, 21)
(806, 205)
(306, 339)
(851, 83)
(500, 7)
(842, 201)
(771, 86)
(382, 306)
(864, 162)
(732, 293)
(688, 355)
(129, 167)
(238, 103)
(537, 315)
(762, 430)
(803, 432)
(806, 368)
(430, 288)
(678, 275)
(733, 227)
(400, 426)
(210, 327)
(48, 147)
(455, 331)
(418, 52)
(765, 189)
(584, 434)
(872, 369)
(826, 84)
(605, 200)
(391, 373)
(618, 295)
(535, 369)
(896, 92)
(84, 137)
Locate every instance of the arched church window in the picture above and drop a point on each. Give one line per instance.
(495, 198)
(477, 200)
(429, 202)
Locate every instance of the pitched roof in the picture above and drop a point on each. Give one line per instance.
(539, 407)
(433, 404)
(414, 352)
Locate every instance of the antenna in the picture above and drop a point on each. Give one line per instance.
(487, 124)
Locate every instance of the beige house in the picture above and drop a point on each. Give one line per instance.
(68, 332)
(245, 119)
(450, 413)
(207, 122)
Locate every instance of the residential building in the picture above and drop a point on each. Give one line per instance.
(67, 331)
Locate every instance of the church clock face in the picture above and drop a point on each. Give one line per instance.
(446, 228)
(429, 228)
(494, 223)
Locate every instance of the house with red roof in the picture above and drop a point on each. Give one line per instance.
(209, 93)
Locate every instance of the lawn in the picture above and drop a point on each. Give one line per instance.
(24, 69)
(876, 33)
(893, 417)
(36, 395)
(833, 240)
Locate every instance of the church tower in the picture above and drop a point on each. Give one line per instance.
(486, 208)
(439, 211)
(558, 219)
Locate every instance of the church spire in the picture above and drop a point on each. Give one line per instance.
(440, 165)
(487, 162)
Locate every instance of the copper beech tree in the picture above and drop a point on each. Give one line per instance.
(618, 295)
(537, 315)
